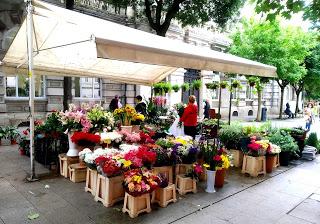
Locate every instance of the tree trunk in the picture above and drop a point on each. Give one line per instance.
(281, 101)
(259, 105)
(67, 81)
(297, 103)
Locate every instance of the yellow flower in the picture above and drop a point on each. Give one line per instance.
(126, 163)
(225, 162)
(206, 165)
(137, 178)
(182, 141)
(107, 141)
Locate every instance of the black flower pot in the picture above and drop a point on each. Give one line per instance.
(284, 158)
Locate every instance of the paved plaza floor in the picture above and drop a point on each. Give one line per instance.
(290, 195)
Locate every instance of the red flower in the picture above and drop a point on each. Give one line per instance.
(146, 155)
(110, 168)
(217, 158)
(198, 169)
(253, 146)
(145, 138)
(100, 160)
(82, 136)
(26, 132)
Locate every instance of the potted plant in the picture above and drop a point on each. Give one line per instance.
(231, 136)
(210, 128)
(287, 144)
(175, 88)
(185, 87)
(158, 88)
(196, 84)
(223, 84)
(222, 164)
(271, 157)
(166, 87)
(236, 84)
(212, 86)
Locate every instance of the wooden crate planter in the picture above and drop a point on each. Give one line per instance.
(109, 190)
(182, 168)
(164, 196)
(91, 181)
(165, 170)
(136, 205)
(77, 172)
(254, 166)
(237, 157)
(64, 162)
(277, 162)
(186, 184)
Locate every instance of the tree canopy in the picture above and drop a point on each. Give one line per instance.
(310, 8)
(188, 12)
(312, 79)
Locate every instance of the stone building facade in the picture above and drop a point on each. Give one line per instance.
(49, 90)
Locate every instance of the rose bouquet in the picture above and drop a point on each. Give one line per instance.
(84, 139)
(257, 148)
(141, 157)
(130, 137)
(140, 181)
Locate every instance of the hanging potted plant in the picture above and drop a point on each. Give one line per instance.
(175, 88)
(166, 86)
(185, 87)
(223, 84)
(157, 88)
(212, 86)
(196, 84)
(236, 84)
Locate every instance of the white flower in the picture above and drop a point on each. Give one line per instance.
(275, 149)
(83, 153)
(110, 136)
(89, 158)
(125, 148)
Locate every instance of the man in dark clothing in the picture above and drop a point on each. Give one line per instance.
(288, 111)
(141, 107)
(114, 104)
(206, 109)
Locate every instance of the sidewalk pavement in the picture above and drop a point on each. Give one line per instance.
(289, 195)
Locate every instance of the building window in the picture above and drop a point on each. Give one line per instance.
(88, 88)
(249, 92)
(18, 86)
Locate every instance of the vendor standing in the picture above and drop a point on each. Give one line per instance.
(190, 117)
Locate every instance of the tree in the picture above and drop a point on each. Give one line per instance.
(310, 8)
(160, 13)
(260, 42)
(269, 43)
(312, 79)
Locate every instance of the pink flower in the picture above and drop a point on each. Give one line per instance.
(86, 125)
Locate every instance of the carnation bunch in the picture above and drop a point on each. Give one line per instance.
(84, 139)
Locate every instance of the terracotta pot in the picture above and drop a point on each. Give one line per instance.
(270, 161)
(220, 175)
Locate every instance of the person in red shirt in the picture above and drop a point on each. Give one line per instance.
(190, 117)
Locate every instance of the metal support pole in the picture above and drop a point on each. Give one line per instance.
(31, 87)
(219, 107)
(230, 104)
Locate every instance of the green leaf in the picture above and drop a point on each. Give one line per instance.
(33, 215)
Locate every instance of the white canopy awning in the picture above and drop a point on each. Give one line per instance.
(69, 43)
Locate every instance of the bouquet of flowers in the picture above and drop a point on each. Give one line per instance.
(274, 149)
(125, 115)
(141, 157)
(138, 118)
(125, 148)
(222, 161)
(85, 139)
(130, 137)
(145, 138)
(196, 170)
(140, 181)
(100, 119)
(257, 148)
(75, 119)
(110, 137)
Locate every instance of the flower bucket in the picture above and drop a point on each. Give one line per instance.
(211, 175)
(284, 158)
(72, 152)
(270, 161)
(219, 179)
(126, 128)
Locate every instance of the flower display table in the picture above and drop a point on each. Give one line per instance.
(254, 166)
(237, 157)
(64, 162)
(136, 205)
(77, 172)
(91, 181)
(167, 171)
(109, 190)
(163, 196)
(186, 184)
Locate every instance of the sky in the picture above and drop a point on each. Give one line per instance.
(248, 11)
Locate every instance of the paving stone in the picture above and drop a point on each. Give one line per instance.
(315, 197)
(309, 210)
(288, 219)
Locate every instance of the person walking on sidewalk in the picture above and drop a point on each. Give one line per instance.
(190, 117)
(308, 116)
